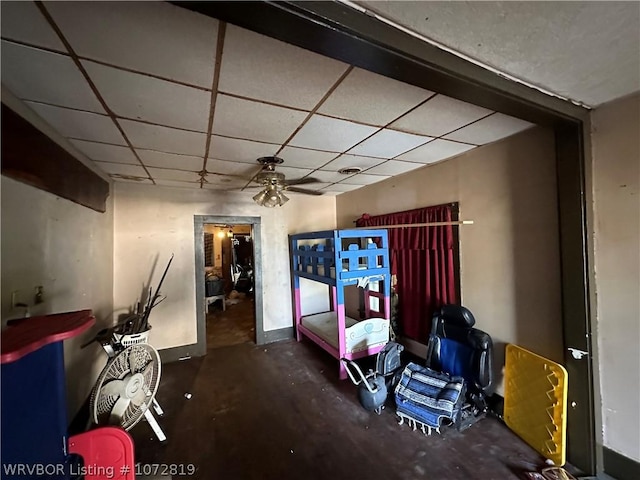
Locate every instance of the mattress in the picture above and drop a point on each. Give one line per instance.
(359, 335)
(325, 325)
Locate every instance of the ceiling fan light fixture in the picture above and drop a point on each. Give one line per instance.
(260, 197)
(270, 197)
(283, 198)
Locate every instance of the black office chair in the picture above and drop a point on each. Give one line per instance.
(458, 349)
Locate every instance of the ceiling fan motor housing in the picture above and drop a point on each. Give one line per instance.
(267, 178)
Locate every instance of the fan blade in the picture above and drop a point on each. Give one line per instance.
(303, 190)
(132, 362)
(302, 181)
(118, 410)
(252, 179)
(139, 398)
(114, 388)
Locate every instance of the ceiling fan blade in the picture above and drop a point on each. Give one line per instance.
(113, 388)
(117, 412)
(302, 181)
(252, 179)
(303, 190)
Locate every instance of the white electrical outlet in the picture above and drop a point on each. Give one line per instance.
(14, 298)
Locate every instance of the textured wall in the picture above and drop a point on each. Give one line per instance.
(68, 249)
(616, 170)
(153, 222)
(510, 275)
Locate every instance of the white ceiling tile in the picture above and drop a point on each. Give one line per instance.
(177, 175)
(393, 167)
(23, 21)
(122, 169)
(316, 186)
(226, 187)
(305, 158)
(261, 67)
(175, 183)
(239, 118)
(328, 177)
(435, 151)
(439, 116)
(364, 179)
(223, 181)
(324, 133)
(141, 97)
(490, 129)
(153, 37)
(352, 161)
(292, 173)
(388, 144)
(232, 168)
(152, 158)
(371, 98)
(164, 139)
(77, 124)
(103, 152)
(236, 150)
(24, 70)
(342, 187)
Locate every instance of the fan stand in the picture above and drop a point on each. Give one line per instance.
(153, 423)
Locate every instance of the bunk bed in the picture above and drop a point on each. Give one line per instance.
(339, 258)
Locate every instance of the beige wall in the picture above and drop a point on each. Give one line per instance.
(615, 173)
(68, 249)
(153, 222)
(510, 275)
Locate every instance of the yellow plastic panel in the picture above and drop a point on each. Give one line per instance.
(535, 402)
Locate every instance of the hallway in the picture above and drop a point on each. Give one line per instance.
(233, 326)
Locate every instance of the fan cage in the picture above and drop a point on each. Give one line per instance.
(134, 359)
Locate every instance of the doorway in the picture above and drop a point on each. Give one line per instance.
(229, 293)
(228, 281)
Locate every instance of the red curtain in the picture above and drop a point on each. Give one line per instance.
(422, 258)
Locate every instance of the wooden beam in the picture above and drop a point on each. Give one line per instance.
(30, 157)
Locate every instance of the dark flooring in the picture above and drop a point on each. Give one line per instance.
(279, 412)
(233, 326)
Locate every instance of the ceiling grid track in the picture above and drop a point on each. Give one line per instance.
(92, 86)
(222, 28)
(184, 120)
(346, 152)
(307, 118)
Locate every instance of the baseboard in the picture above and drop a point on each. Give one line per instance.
(173, 354)
(277, 335)
(619, 466)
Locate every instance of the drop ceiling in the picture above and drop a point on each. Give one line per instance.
(156, 94)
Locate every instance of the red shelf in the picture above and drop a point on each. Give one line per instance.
(29, 334)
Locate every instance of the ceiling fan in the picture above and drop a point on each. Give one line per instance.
(274, 183)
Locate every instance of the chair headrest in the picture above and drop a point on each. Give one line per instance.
(457, 315)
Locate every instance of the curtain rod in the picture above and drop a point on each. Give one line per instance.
(410, 225)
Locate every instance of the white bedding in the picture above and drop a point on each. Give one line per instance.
(359, 335)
